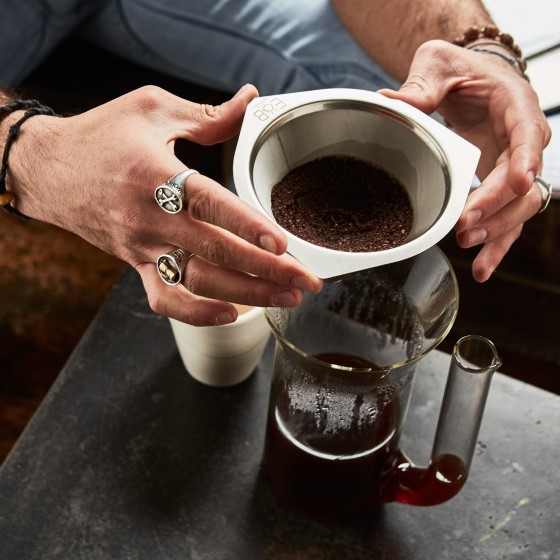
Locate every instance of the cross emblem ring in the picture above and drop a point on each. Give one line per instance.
(171, 195)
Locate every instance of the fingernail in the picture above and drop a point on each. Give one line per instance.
(284, 299)
(477, 236)
(473, 217)
(225, 317)
(531, 176)
(268, 243)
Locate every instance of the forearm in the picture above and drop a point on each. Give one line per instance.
(391, 31)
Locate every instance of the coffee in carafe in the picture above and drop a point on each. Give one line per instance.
(343, 370)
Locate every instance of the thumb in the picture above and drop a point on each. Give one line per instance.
(429, 79)
(213, 124)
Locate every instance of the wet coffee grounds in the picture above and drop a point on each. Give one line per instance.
(343, 203)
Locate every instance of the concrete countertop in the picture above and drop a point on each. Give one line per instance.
(130, 458)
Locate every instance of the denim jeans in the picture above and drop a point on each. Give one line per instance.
(280, 46)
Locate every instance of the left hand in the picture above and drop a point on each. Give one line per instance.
(95, 174)
(486, 101)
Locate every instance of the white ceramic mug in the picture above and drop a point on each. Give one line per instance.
(223, 355)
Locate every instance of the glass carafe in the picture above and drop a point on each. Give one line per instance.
(343, 370)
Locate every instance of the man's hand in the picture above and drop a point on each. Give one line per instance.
(486, 101)
(95, 174)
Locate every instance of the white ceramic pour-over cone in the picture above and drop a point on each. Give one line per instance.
(435, 165)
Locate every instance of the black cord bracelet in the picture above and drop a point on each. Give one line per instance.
(32, 107)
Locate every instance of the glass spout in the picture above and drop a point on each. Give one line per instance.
(473, 362)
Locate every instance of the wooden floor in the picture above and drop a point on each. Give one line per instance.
(52, 282)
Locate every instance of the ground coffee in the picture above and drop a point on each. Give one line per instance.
(343, 203)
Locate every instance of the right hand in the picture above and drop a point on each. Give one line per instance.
(488, 103)
(95, 174)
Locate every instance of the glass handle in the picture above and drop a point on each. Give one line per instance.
(473, 362)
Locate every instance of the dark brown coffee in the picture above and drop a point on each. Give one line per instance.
(343, 203)
(324, 477)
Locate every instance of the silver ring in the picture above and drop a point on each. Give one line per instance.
(170, 267)
(546, 192)
(171, 195)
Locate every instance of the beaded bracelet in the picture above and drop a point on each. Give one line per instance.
(485, 38)
(32, 107)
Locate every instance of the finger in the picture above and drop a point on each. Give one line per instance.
(528, 134)
(209, 280)
(429, 79)
(222, 248)
(492, 254)
(207, 201)
(178, 303)
(225, 249)
(491, 196)
(226, 231)
(508, 218)
(209, 124)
